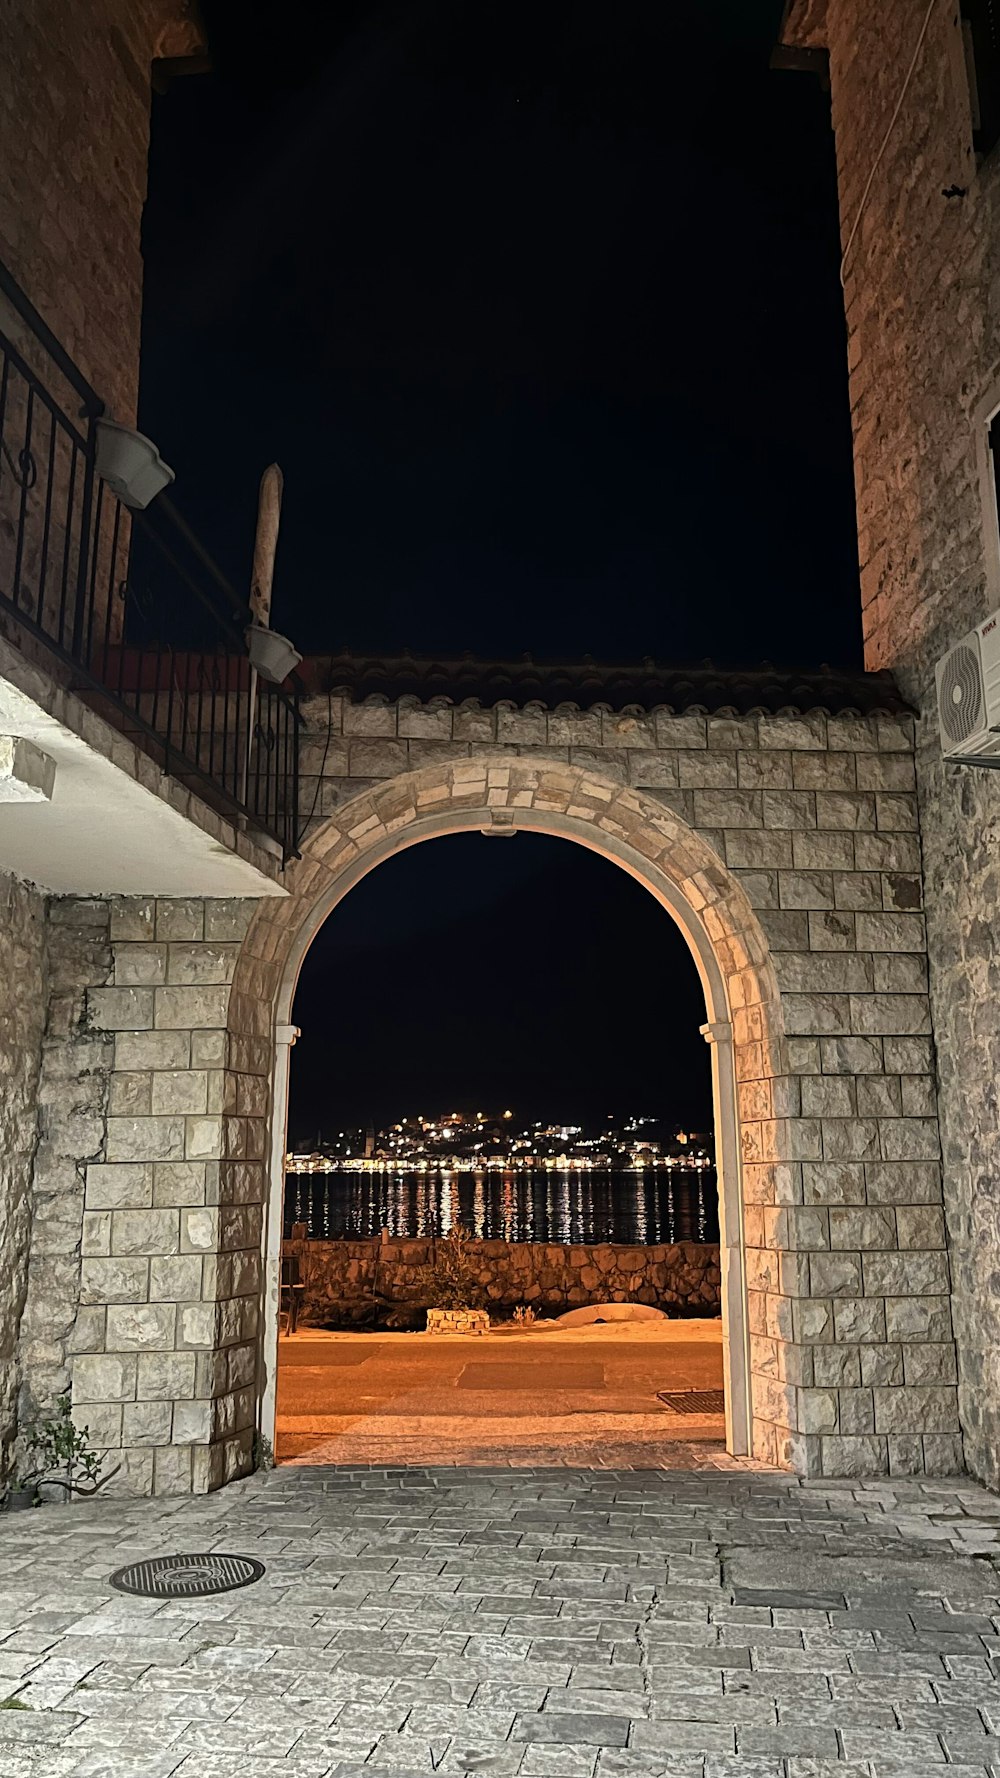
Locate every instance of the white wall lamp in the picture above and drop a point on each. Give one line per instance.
(271, 654)
(130, 464)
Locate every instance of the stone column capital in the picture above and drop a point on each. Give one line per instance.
(285, 1035)
(717, 1031)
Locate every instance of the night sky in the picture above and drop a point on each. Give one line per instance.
(537, 307)
(475, 973)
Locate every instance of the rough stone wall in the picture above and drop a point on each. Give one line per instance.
(72, 1105)
(74, 136)
(924, 360)
(22, 1019)
(339, 1278)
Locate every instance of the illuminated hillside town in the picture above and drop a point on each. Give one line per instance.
(470, 1142)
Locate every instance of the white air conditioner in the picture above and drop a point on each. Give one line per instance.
(968, 689)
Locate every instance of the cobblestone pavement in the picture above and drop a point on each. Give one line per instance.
(582, 1623)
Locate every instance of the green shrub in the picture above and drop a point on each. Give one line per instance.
(451, 1281)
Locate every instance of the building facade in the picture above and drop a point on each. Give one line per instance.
(155, 909)
(919, 183)
(774, 819)
(106, 770)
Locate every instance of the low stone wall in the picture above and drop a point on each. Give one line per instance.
(346, 1281)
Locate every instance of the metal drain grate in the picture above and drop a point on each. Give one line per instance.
(187, 1577)
(693, 1401)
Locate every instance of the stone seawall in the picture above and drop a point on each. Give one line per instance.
(343, 1279)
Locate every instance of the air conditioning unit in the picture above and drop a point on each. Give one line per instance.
(968, 689)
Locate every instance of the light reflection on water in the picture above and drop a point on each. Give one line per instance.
(571, 1206)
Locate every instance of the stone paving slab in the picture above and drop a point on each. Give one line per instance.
(514, 1623)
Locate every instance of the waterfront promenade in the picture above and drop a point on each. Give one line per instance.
(551, 1395)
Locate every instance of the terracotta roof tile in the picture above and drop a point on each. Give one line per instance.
(646, 685)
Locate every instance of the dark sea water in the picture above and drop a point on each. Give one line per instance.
(635, 1208)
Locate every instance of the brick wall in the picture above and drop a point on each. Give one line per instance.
(924, 360)
(74, 137)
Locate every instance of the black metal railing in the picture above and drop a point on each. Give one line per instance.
(127, 607)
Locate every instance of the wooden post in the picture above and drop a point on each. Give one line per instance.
(261, 580)
(265, 544)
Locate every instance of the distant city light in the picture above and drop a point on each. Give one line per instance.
(453, 1143)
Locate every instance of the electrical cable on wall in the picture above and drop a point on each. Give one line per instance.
(326, 755)
(885, 140)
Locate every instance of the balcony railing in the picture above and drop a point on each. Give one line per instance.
(126, 608)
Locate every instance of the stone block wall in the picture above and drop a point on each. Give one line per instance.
(172, 1223)
(923, 332)
(458, 1321)
(810, 824)
(813, 820)
(792, 839)
(341, 1278)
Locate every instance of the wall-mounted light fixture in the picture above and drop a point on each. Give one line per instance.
(130, 464)
(273, 656)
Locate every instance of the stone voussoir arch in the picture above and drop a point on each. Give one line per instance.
(775, 819)
(756, 1140)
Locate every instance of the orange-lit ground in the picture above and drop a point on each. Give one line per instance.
(583, 1396)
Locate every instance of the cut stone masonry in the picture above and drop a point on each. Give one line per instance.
(923, 333)
(793, 840)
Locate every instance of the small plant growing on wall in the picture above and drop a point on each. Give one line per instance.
(263, 1451)
(57, 1454)
(452, 1281)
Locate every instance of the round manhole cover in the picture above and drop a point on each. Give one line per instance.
(187, 1577)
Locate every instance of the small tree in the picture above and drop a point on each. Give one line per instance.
(451, 1281)
(57, 1452)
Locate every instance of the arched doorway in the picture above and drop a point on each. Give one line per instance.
(677, 867)
(500, 1071)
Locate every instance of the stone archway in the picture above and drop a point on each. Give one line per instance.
(743, 1024)
(785, 845)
